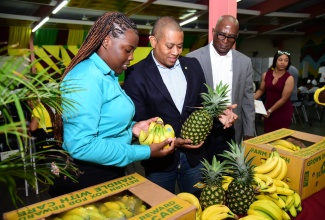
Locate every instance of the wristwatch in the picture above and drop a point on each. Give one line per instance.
(269, 111)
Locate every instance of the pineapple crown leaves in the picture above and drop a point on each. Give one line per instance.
(212, 173)
(215, 101)
(240, 166)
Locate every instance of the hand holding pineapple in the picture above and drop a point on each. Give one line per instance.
(199, 124)
(186, 143)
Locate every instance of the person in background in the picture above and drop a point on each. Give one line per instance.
(98, 131)
(41, 117)
(303, 86)
(278, 84)
(312, 86)
(321, 71)
(169, 85)
(294, 73)
(222, 63)
(40, 126)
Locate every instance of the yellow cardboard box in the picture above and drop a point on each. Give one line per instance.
(163, 204)
(306, 167)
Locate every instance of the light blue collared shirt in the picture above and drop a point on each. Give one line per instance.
(98, 128)
(175, 82)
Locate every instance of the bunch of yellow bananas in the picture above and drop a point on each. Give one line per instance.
(214, 212)
(157, 133)
(274, 195)
(226, 180)
(275, 167)
(189, 197)
(117, 208)
(284, 145)
(270, 207)
(217, 212)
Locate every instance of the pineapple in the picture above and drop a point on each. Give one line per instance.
(212, 192)
(199, 124)
(240, 193)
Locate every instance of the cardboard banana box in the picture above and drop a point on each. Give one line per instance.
(160, 203)
(306, 167)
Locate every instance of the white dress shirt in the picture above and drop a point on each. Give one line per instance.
(221, 69)
(175, 82)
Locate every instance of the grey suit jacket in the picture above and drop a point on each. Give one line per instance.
(242, 88)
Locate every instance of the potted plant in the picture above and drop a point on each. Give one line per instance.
(18, 85)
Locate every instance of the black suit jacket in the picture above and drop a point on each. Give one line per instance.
(144, 84)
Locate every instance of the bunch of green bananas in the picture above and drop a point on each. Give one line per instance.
(157, 133)
(123, 207)
(284, 145)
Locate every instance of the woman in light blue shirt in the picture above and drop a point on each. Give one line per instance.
(98, 130)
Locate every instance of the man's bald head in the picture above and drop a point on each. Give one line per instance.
(164, 23)
(227, 20)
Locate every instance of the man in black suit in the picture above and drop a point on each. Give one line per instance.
(167, 85)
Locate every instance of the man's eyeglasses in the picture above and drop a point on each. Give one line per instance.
(283, 52)
(222, 36)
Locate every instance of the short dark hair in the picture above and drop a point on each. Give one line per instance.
(165, 22)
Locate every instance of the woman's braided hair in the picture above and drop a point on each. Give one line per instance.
(113, 23)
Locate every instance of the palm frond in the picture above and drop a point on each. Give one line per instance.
(25, 167)
(17, 86)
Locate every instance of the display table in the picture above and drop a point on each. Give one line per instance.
(313, 207)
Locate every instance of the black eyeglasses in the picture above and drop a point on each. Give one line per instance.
(283, 52)
(222, 36)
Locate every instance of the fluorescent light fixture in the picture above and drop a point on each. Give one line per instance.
(283, 27)
(40, 24)
(188, 20)
(187, 15)
(238, 0)
(61, 5)
(320, 16)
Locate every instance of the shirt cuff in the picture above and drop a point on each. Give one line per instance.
(142, 152)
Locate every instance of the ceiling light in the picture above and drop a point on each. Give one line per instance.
(283, 27)
(187, 15)
(61, 5)
(40, 24)
(238, 0)
(188, 20)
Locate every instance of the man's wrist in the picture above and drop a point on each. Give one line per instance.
(269, 111)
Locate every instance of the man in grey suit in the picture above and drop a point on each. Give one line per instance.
(294, 73)
(222, 63)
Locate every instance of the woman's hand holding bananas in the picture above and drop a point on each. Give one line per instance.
(160, 137)
(142, 126)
